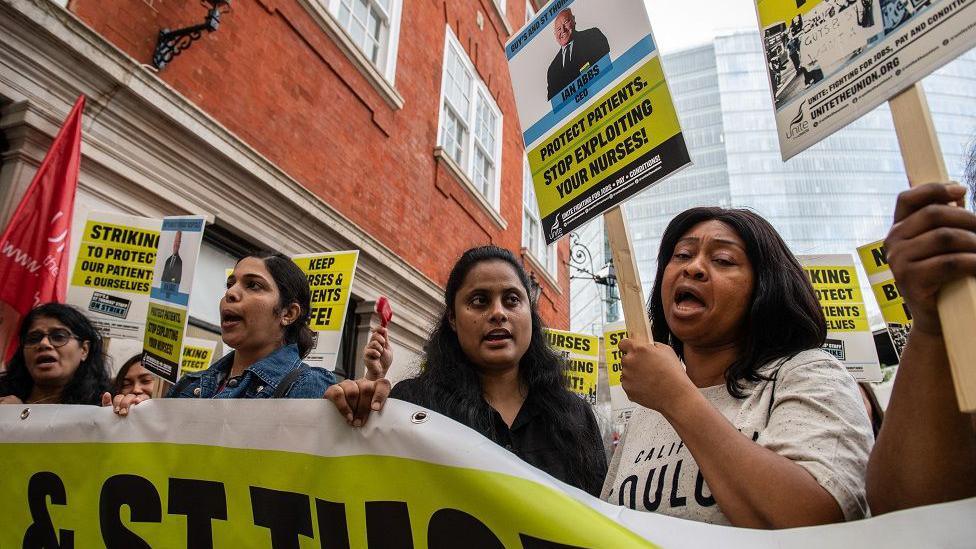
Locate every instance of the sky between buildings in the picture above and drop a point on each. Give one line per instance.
(680, 24)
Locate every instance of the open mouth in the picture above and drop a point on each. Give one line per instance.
(228, 318)
(688, 299)
(46, 359)
(498, 335)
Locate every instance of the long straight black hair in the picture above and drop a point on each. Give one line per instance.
(449, 382)
(784, 317)
(90, 379)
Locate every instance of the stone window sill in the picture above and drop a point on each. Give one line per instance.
(462, 178)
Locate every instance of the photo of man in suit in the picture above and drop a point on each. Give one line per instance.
(577, 50)
(173, 268)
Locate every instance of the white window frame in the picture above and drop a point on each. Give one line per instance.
(544, 255)
(477, 94)
(387, 65)
(529, 11)
(501, 6)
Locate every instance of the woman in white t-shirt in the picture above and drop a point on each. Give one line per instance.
(760, 428)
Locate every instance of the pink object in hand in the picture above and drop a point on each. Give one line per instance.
(384, 310)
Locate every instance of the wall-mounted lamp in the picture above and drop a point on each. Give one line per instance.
(580, 257)
(172, 43)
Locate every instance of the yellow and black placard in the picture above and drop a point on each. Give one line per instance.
(197, 354)
(116, 257)
(875, 261)
(840, 297)
(582, 355)
(849, 337)
(617, 146)
(621, 405)
(329, 278)
(893, 307)
(164, 339)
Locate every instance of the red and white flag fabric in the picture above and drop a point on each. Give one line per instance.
(34, 246)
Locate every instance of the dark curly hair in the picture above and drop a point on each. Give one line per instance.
(91, 378)
(784, 318)
(449, 383)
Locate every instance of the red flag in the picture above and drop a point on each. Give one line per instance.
(34, 247)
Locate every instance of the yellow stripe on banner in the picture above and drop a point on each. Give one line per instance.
(116, 493)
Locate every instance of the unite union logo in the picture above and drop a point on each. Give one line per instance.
(798, 126)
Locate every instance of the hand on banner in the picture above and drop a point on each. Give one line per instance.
(10, 399)
(356, 399)
(652, 375)
(930, 244)
(377, 355)
(121, 403)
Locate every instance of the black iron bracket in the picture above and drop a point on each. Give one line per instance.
(173, 42)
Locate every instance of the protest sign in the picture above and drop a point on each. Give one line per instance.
(582, 355)
(330, 278)
(113, 271)
(169, 297)
(894, 310)
(601, 125)
(917, 37)
(849, 337)
(621, 406)
(161, 477)
(197, 354)
(831, 61)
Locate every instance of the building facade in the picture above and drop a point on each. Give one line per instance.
(832, 198)
(302, 126)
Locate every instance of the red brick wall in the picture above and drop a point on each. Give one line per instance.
(272, 76)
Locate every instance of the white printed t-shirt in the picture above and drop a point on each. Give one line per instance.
(817, 420)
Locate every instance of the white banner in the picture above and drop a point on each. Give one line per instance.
(239, 473)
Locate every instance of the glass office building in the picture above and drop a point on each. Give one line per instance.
(832, 198)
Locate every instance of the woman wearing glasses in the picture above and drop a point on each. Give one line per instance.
(59, 360)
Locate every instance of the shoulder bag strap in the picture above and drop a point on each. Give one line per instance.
(288, 381)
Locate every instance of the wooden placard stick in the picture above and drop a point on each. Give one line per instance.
(957, 300)
(628, 279)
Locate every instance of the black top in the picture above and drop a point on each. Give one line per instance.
(530, 439)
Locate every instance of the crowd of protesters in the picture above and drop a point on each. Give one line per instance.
(770, 431)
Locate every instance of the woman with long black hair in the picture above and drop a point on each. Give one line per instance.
(488, 365)
(745, 421)
(59, 360)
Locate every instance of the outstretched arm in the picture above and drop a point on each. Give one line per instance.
(926, 451)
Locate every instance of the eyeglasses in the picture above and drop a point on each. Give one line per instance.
(56, 337)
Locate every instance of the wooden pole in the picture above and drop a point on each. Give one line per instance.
(957, 300)
(628, 278)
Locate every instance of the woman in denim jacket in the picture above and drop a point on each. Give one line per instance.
(264, 317)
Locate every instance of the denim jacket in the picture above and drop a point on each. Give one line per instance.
(258, 381)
